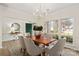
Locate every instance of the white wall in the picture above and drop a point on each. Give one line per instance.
(1, 18)
(6, 27)
(70, 12)
(12, 16)
(0, 34)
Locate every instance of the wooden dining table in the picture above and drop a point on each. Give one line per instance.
(44, 41)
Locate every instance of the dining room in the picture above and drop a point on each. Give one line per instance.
(39, 29)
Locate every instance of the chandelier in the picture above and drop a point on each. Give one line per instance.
(41, 12)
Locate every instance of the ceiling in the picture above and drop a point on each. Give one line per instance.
(37, 8)
(31, 7)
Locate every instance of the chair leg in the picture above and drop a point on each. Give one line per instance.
(39, 55)
(60, 55)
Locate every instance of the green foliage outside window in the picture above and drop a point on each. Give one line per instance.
(68, 38)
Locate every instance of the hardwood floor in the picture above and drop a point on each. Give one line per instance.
(70, 52)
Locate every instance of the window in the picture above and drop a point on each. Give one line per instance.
(67, 29)
(64, 26)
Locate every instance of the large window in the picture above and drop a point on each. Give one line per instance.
(62, 28)
(67, 29)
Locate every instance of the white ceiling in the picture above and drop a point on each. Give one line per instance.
(31, 8)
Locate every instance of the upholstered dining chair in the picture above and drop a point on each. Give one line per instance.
(31, 48)
(48, 36)
(23, 49)
(4, 52)
(56, 50)
(21, 38)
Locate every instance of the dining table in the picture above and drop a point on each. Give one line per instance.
(44, 41)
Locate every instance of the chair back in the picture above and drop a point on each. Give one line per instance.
(32, 49)
(21, 39)
(57, 49)
(48, 36)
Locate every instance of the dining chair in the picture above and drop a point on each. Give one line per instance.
(23, 49)
(48, 36)
(57, 49)
(21, 39)
(31, 48)
(4, 52)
